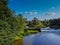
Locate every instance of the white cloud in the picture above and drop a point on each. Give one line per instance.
(26, 12)
(50, 13)
(35, 12)
(31, 12)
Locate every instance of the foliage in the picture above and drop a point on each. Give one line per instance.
(52, 23)
(35, 23)
(10, 25)
(55, 23)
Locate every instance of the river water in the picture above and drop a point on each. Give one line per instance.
(46, 37)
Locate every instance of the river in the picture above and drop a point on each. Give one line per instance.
(46, 37)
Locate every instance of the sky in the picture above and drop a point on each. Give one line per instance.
(41, 9)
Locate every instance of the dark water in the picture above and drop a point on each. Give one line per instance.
(46, 37)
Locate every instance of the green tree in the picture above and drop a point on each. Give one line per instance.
(5, 31)
(10, 25)
(35, 23)
(55, 23)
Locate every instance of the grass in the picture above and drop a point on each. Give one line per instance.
(29, 32)
(18, 40)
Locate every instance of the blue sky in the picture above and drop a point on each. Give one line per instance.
(42, 9)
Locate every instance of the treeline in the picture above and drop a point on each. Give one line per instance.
(55, 23)
(35, 23)
(10, 25)
(52, 23)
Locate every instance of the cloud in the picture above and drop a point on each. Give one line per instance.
(26, 12)
(53, 8)
(31, 12)
(50, 13)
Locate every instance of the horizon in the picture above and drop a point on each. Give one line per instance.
(41, 9)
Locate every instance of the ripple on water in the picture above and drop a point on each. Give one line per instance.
(42, 39)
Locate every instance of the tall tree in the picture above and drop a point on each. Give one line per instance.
(5, 12)
(10, 25)
(35, 23)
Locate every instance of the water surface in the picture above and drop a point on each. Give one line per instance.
(46, 37)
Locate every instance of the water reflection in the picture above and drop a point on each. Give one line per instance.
(43, 38)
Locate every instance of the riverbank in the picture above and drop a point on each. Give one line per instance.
(18, 42)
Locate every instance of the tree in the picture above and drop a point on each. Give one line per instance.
(35, 23)
(55, 23)
(5, 31)
(10, 25)
(5, 12)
